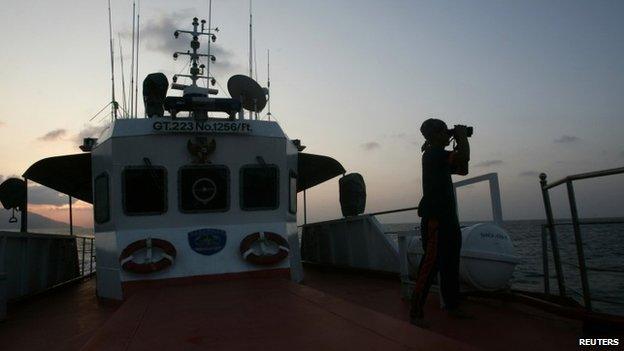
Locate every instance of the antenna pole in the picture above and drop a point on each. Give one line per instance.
(250, 41)
(209, 42)
(132, 65)
(269, 85)
(110, 37)
(250, 49)
(123, 80)
(136, 82)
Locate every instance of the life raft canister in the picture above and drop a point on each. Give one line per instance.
(272, 248)
(126, 259)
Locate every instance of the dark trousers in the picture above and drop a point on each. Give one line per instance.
(441, 241)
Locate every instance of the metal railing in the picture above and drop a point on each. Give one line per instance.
(550, 228)
(86, 247)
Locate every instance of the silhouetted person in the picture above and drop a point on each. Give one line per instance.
(441, 234)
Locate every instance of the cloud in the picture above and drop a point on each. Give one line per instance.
(2, 124)
(370, 146)
(41, 195)
(622, 154)
(489, 163)
(88, 131)
(529, 174)
(157, 35)
(53, 135)
(567, 139)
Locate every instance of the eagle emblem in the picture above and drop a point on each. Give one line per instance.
(201, 149)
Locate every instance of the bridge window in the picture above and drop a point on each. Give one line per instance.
(259, 187)
(144, 190)
(204, 189)
(101, 203)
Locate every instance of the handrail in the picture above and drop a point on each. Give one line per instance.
(576, 223)
(587, 175)
(391, 211)
(589, 222)
(361, 215)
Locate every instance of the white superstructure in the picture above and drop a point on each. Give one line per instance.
(204, 185)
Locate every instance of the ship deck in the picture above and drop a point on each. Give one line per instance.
(332, 310)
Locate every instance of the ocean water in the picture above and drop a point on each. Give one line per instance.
(603, 246)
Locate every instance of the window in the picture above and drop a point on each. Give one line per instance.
(144, 190)
(259, 187)
(204, 188)
(292, 189)
(101, 203)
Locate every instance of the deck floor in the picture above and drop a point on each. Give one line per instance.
(333, 310)
(497, 325)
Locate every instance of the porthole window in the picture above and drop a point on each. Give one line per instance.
(144, 190)
(101, 199)
(259, 187)
(204, 188)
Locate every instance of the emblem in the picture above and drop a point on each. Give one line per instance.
(201, 149)
(207, 241)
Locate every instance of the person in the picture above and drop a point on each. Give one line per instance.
(440, 231)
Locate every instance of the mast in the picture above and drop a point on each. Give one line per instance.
(110, 38)
(132, 65)
(136, 82)
(209, 41)
(250, 49)
(123, 81)
(250, 41)
(269, 85)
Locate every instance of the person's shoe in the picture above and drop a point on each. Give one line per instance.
(458, 313)
(419, 321)
(417, 317)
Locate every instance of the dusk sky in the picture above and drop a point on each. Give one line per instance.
(542, 82)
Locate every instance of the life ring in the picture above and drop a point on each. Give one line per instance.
(127, 259)
(273, 248)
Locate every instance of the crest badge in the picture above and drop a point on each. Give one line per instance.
(207, 241)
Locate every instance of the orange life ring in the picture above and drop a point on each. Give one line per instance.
(277, 241)
(126, 259)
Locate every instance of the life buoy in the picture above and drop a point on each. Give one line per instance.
(270, 248)
(127, 259)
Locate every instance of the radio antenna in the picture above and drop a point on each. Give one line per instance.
(209, 42)
(110, 37)
(269, 85)
(123, 80)
(132, 58)
(250, 41)
(136, 81)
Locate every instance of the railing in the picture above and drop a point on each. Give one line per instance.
(85, 249)
(32, 264)
(576, 225)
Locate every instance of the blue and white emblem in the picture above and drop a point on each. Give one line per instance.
(207, 241)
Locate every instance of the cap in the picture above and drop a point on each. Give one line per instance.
(432, 126)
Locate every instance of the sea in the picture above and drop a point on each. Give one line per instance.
(603, 246)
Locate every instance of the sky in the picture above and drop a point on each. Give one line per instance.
(541, 82)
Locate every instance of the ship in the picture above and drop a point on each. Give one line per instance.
(196, 246)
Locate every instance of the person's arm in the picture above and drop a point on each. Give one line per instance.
(461, 155)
